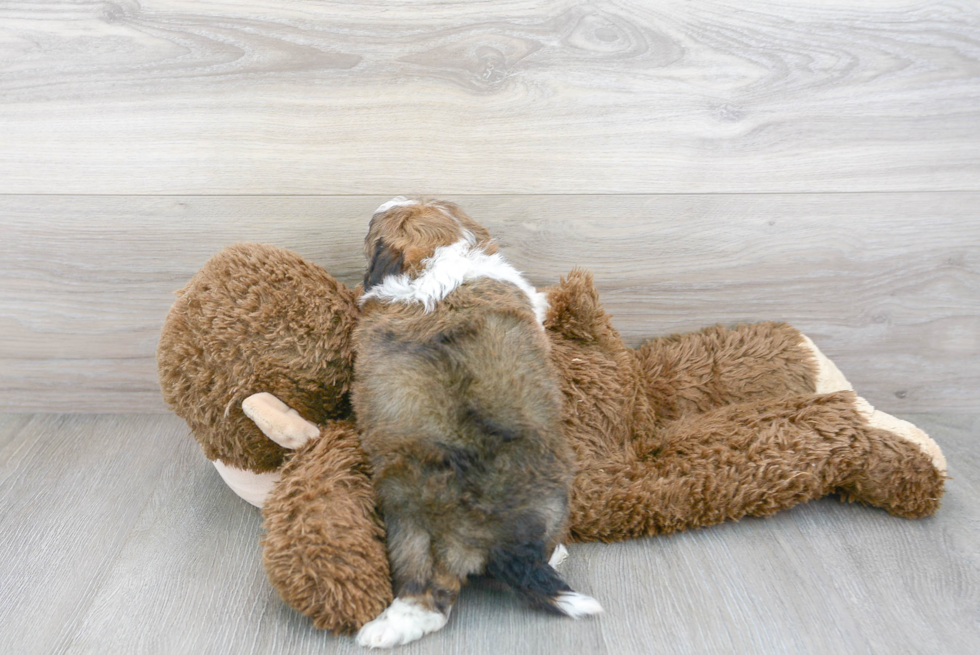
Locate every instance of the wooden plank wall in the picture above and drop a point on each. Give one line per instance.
(813, 161)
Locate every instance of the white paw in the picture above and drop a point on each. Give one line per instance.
(279, 421)
(403, 622)
(559, 555)
(576, 605)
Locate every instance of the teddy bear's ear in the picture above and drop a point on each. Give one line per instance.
(575, 311)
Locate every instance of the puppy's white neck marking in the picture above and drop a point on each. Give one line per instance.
(448, 268)
(397, 201)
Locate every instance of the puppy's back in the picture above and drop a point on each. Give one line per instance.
(460, 413)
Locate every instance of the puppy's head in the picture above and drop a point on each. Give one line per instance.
(403, 233)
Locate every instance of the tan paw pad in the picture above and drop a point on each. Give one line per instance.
(829, 378)
(903, 430)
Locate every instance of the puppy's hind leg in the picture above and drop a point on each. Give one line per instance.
(425, 591)
(406, 620)
(419, 609)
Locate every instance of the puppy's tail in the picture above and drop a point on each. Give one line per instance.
(523, 568)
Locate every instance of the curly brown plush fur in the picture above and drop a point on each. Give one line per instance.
(695, 429)
(256, 318)
(685, 431)
(324, 545)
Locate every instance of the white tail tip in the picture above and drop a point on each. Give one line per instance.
(577, 605)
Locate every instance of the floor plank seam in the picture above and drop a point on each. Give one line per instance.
(512, 194)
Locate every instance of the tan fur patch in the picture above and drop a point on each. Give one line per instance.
(251, 487)
(279, 421)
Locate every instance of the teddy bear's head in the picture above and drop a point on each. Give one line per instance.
(256, 318)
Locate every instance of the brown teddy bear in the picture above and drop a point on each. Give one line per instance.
(686, 431)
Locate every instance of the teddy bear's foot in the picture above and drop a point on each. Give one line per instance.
(828, 377)
(279, 421)
(903, 430)
(905, 470)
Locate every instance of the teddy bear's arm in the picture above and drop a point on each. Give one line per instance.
(324, 549)
(686, 374)
(693, 373)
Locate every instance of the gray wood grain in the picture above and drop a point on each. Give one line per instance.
(192, 556)
(336, 97)
(72, 490)
(888, 285)
(118, 537)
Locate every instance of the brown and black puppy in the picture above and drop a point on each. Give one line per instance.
(459, 410)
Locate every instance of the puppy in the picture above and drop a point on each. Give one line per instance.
(459, 410)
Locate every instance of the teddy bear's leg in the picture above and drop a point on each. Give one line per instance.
(700, 371)
(755, 459)
(324, 544)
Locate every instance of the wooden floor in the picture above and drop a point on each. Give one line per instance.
(117, 536)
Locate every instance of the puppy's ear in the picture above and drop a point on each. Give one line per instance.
(385, 261)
